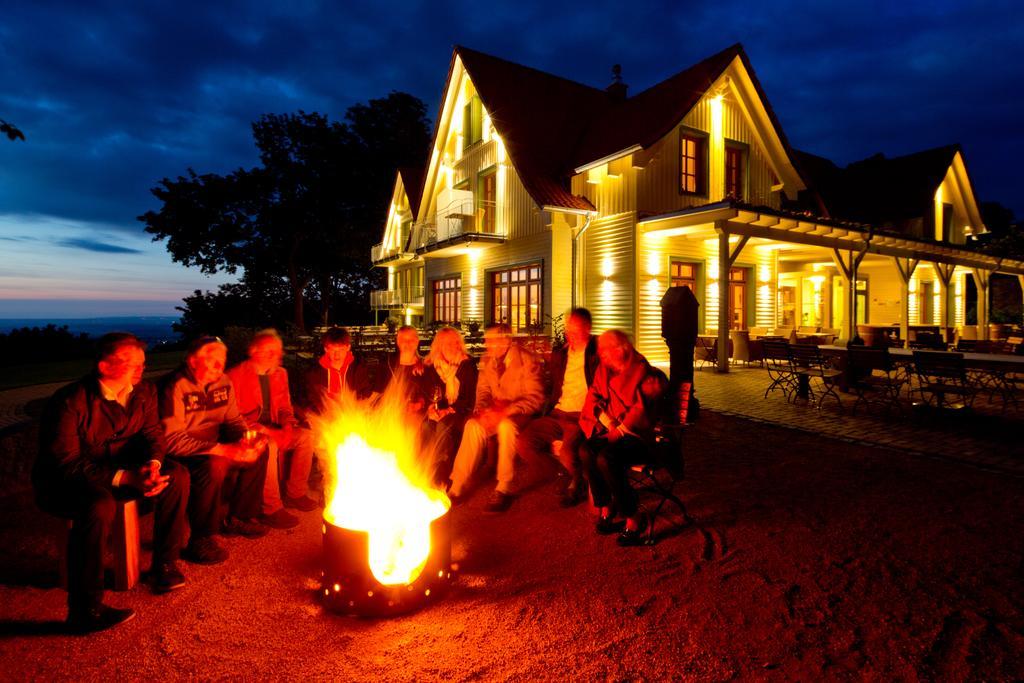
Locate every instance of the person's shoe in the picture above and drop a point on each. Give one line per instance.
(249, 528)
(281, 519)
(204, 550)
(98, 618)
(608, 525)
(499, 502)
(633, 537)
(302, 503)
(166, 578)
(574, 494)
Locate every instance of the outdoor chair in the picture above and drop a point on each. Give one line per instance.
(655, 475)
(809, 365)
(779, 364)
(658, 477)
(742, 349)
(706, 351)
(874, 378)
(941, 375)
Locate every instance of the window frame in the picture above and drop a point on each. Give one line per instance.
(700, 158)
(449, 284)
(472, 122)
(494, 287)
(490, 212)
(735, 147)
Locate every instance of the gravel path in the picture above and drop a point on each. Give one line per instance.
(812, 559)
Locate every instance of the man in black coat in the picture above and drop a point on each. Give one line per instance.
(337, 370)
(101, 441)
(572, 371)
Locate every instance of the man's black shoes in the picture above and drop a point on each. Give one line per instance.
(166, 577)
(98, 618)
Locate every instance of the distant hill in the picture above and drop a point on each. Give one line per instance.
(151, 329)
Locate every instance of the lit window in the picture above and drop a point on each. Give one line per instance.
(735, 163)
(516, 296)
(448, 299)
(691, 163)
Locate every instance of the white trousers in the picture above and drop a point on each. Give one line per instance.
(471, 452)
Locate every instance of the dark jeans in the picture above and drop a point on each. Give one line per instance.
(217, 481)
(534, 443)
(443, 437)
(91, 508)
(605, 465)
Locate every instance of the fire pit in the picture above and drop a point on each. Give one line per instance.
(387, 528)
(350, 587)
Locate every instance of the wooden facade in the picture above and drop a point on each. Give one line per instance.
(648, 226)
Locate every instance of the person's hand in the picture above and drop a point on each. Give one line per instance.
(148, 479)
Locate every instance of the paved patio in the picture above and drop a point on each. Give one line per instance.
(988, 437)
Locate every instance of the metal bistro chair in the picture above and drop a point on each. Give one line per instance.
(706, 351)
(809, 364)
(779, 363)
(662, 467)
(940, 375)
(874, 378)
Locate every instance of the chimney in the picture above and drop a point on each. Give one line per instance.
(617, 89)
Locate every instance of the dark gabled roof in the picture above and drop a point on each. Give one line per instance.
(879, 190)
(412, 181)
(648, 116)
(575, 124)
(540, 118)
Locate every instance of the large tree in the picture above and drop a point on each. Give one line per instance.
(308, 214)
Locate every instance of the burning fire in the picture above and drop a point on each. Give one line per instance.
(379, 481)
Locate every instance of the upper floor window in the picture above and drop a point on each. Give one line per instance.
(472, 122)
(486, 202)
(735, 171)
(691, 162)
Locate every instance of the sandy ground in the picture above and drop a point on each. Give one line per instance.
(811, 559)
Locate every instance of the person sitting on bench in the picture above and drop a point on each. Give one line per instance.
(618, 423)
(207, 434)
(101, 441)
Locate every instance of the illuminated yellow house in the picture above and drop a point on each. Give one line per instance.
(542, 193)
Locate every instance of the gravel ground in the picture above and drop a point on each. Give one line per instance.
(811, 559)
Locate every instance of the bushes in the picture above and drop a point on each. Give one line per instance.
(39, 344)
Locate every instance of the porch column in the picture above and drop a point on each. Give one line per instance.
(725, 260)
(981, 281)
(723, 296)
(945, 273)
(905, 267)
(847, 265)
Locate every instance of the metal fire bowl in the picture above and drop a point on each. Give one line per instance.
(349, 587)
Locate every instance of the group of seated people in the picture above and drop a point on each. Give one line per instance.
(205, 449)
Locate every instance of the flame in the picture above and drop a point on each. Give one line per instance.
(379, 481)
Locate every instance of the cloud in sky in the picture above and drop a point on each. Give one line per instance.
(95, 245)
(114, 96)
(54, 259)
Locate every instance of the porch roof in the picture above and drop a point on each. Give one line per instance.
(780, 226)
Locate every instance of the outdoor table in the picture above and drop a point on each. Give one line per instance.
(972, 361)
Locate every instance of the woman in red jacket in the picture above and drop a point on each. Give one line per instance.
(618, 421)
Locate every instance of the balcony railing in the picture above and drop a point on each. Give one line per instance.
(458, 219)
(396, 298)
(382, 252)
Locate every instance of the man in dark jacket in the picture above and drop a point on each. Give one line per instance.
(101, 441)
(572, 371)
(337, 370)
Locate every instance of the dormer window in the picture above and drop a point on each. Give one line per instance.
(692, 166)
(472, 122)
